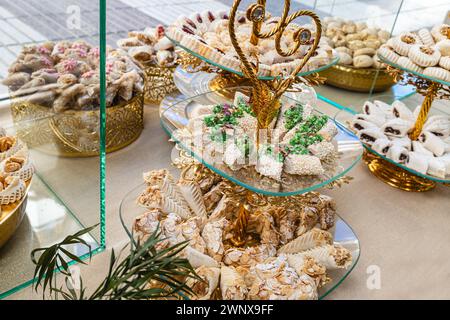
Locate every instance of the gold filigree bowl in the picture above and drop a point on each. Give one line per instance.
(158, 82)
(11, 216)
(76, 133)
(357, 79)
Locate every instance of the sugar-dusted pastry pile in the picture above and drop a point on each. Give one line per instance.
(355, 42)
(65, 75)
(15, 170)
(385, 129)
(301, 141)
(425, 51)
(289, 249)
(149, 47)
(207, 34)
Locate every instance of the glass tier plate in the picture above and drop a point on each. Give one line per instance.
(220, 66)
(343, 235)
(345, 116)
(418, 74)
(349, 149)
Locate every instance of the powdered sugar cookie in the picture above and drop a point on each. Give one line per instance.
(364, 51)
(440, 32)
(444, 47)
(444, 62)
(345, 58)
(426, 37)
(404, 42)
(388, 52)
(363, 61)
(438, 73)
(405, 62)
(424, 56)
(344, 49)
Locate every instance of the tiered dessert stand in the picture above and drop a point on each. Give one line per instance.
(396, 174)
(265, 96)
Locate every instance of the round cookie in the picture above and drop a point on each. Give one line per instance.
(440, 32)
(404, 42)
(405, 62)
(388, 52)
(426, 37)
(444, 62)
(424, 56)
(444, 47)
(438, 73)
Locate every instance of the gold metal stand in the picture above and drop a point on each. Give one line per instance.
(386, 171)
(395, 176)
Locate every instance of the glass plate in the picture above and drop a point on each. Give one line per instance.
(343, 235)
(345, 116)
(218, 65)
(385, 60)
(349, 150)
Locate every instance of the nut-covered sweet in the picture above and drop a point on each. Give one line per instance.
(6, 143)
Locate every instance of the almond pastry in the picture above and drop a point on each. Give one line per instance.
(424, 56)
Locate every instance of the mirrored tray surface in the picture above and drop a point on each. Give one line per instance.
(343, 235)
(348, 146)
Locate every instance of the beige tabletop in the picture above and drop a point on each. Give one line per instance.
(404, 236)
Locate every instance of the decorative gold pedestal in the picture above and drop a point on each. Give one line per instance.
(225, 84)
(359, 80)
(396, 176)
(158, 83)
(11, 216)
(75, 133)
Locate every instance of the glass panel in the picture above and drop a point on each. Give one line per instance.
(50, 100)
(361, 77)
(348, 148)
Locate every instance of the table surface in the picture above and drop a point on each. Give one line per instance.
(404, 236)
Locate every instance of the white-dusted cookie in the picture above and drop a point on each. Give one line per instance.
(345, 58)
(440, 32)
(362, 61)
(438, 73)
(388, 53)
(403, 43)
(406, 63)
(424, 56)
(364, 51)
(426, 37)
(444, 47)
(444, 62)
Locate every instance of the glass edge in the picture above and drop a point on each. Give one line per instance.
(349, 271)
(333, 62)
(417, 74)
(26, 284)
(102, 204)
(275, 194)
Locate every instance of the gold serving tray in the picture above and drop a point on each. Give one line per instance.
(359, 80)
(11, 216)
(76, 133)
